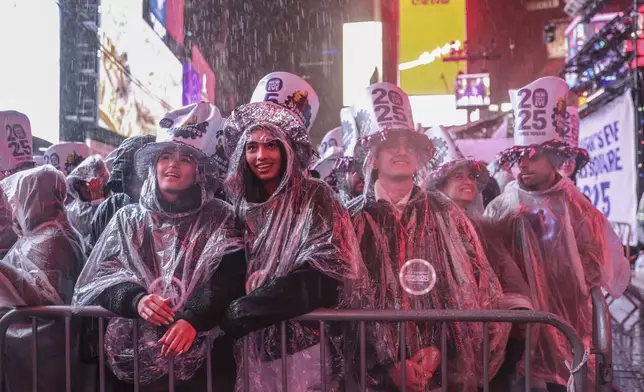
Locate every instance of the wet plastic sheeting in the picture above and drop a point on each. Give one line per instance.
(42, 268)
(46, 259)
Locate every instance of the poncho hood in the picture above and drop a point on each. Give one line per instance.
(37, 196)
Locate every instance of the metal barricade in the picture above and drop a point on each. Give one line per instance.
(632, 294)
(602, 341)
(323, 317)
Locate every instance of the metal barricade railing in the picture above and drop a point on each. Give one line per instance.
(632, 294)
(323, 317)
(602, 342)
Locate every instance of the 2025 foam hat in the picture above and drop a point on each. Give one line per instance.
(384, 111)
(66, 156)
(448, 158)
(539, 121)
(289, 91)
(191, 130)
(16, 146)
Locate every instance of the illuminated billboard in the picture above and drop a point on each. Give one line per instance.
(140, 78)
(174, 22)
(429, 31)
(166, 18)
(361, 57)
(30, 76)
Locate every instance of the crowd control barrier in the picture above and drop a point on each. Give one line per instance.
(601, 339)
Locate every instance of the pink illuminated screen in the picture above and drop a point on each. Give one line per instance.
(174, 19)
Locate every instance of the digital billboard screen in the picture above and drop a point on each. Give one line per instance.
(140, 78)
(174, 22)
(30, 76)
(472, 90)
(166, 18)
(429, 31)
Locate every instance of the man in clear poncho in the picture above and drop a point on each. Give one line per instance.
(40, 269)
(123, 183)
(563, 245)
(420, 250)
(156, 261)
(300, 255)
(86, 184)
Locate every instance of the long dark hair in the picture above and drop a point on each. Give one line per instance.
(253, 188)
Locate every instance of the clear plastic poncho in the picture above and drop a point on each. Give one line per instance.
(564, 247)
(170, 254)
(40, 269)
(8, 236)
(93, 172)
(47, 257)
(431, 228)
(302, 223)
(516, 294)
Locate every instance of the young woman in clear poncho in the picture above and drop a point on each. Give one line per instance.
(564, 247)
(427, 226)
(156, 261)
(300, 255)
(464, 181)
(40, 269)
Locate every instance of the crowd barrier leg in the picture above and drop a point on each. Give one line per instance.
(528, 357)
(363, 357)
(101, 355)
(284, 357)
(34, 353)
(135, 340)
(602, 342)
(486, 357)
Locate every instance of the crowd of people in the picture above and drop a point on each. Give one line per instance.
(222, 229)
